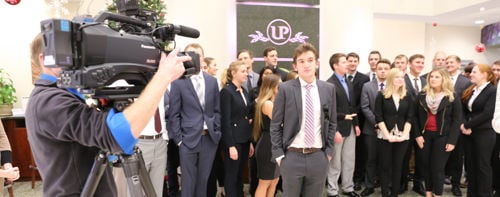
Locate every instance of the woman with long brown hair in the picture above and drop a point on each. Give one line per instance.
(267, 171)
(478, 103)
(439, 114)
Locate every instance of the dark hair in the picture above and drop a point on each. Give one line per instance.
(352, 54)
(413, 57)
(245, 51)
(468, 68)
(376, 53)
(302, 48)
(267, 50)
(259, 82)
(334, 59)
(385, 61)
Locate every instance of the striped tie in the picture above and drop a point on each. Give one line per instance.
(309, 118)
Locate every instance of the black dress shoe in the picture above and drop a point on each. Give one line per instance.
(333, 195)
(419, 190)
(403, 188)
(351, 194)
(367, 192)
(456, 191)
(357, 186)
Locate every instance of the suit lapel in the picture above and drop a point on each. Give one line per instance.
(298, 97)
(190, 86)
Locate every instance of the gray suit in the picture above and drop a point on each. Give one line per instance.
(302, 173)
(368, 95)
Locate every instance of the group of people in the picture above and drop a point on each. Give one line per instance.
(290, 124)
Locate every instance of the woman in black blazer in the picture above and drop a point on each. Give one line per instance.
(478, 103)
(393, 114)
(236, 129)
(438, 118)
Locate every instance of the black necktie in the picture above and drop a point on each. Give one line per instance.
(249, 83)
(373, 76)
(416, 85)
(350, 77)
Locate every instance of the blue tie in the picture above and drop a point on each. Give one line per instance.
(344, 84)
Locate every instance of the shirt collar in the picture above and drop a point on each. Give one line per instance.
(480, 88)
(304, 83)
(199, 75)
(340, 77)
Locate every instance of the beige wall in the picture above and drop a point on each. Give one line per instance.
(345, 26)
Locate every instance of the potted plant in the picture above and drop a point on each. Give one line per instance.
(7, 91)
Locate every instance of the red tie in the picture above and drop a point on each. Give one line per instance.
(157, 121)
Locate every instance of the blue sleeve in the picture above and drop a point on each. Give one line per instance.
(120, 129)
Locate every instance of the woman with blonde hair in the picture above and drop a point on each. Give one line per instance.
(438, 117)
(393, 114)
(267, 171)
(235, 126)
(478, 104)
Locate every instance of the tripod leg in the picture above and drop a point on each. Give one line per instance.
(137, 176)
(95, 175)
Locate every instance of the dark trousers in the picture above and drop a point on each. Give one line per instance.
(233, 170)
(254, 181)
(455, 163)
(304, 174)
(418, 172)
(495, 162)
(217, 173)
(478, 149)
(371, 147)
(196, 164)
(434, 159)
(391, 161)
(360, 162)
(172, 164)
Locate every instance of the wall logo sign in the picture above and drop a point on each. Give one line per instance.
(278, 32)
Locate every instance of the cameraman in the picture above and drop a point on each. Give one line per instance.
(65, 134)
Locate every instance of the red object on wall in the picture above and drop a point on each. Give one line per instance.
(434, 24)
(13, 2)
(480, 48)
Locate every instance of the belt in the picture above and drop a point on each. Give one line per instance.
(304, 150)
(204, 132)
(150, 137)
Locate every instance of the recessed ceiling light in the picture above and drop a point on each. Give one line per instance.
(481, 9)
(478, 22)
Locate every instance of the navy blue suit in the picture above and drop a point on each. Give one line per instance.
(185, 122)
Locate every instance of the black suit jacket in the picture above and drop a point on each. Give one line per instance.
(235, 113)
(357, 85)
(385, 111)
(345, 106)
(410, 91)
(483, 108)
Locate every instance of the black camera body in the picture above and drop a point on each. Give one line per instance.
(93, 56)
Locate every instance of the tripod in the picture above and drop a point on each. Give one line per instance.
(133, 167)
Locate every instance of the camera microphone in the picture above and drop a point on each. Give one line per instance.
(183, 30)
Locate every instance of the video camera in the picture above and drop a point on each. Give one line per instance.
(92, 55)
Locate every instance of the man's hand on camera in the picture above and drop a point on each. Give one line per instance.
(171, 66)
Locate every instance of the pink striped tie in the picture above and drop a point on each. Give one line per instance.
(309, 118)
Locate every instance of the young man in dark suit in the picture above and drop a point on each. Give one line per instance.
(456, 161)
(347, 129)
(194, 120)
(414, 84)
(271, 59)
(358, 80)
(302, 141)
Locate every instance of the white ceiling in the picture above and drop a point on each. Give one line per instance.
(464, 16)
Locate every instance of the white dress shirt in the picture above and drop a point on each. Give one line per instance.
(299, 141)
(496, 116)
(475, 93)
